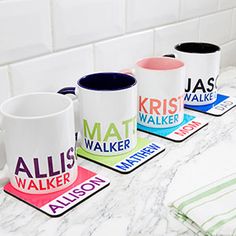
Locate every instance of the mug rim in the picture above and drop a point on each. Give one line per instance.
(214, 48)
(181, 63)
(120, 88)
(12, 99)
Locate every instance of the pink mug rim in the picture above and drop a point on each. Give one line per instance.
(160, 63)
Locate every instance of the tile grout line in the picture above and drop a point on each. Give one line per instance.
(10, 80)
(154, 42)
(27, 59)
(69, 49)
(180, 9)
(51, 13)
(198, 25)
(232, 23)
(104, 39)
(218, 5)
(126, 16)
(94, 57)
(227, 42)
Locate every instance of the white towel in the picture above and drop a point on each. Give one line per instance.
(210, 210)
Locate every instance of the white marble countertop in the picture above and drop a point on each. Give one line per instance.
(136, 203)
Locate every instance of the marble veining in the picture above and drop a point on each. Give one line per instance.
(136, 203)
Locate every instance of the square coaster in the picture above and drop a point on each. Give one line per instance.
(125, 163)
(56, 204)
(222, 104)
(189, 126)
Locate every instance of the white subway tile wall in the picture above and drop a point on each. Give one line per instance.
(53, 72)
(228, 54)
(25, 29)
(123, 52)
(193, 8)
(49, 44)
(216, 28)
(226, 4)
(233, 32)
(143, 14)
(167, 37)
(78, 22)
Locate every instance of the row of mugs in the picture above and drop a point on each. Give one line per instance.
(38, 128)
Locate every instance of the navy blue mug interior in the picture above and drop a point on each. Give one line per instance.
(195, 47)
(105, 81)
(108, 81)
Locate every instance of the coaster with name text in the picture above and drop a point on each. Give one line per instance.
(57, 203)
(178, 133)
(222, 104)
(125, 163)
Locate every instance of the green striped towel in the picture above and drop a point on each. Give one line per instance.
(210, 210)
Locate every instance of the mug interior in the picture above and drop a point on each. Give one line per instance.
(197, 47)
(160, 63)
(107, 81)
(35, 105)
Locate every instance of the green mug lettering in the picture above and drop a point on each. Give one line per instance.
(111, 132)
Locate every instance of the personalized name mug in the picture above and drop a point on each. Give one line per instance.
(39, 138)
(202, 62)
(107, 112)
(160, 91)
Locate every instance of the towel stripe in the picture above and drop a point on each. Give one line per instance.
(207, 193)
(220, 224)
(205, 188)
(219, 215)
(215, 200)
(208, 201)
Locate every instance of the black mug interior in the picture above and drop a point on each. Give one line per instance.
(197, 47)
(108, 81)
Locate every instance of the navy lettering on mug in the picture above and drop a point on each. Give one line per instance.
(202, 69)
(199, 91)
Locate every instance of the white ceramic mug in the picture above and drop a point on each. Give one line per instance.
(202, 62)
(107, 112)
(160, 91)
(39, 138)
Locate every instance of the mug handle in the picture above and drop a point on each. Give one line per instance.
(170, 55)
(71, 90)
(67, 90)
(128, 71)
